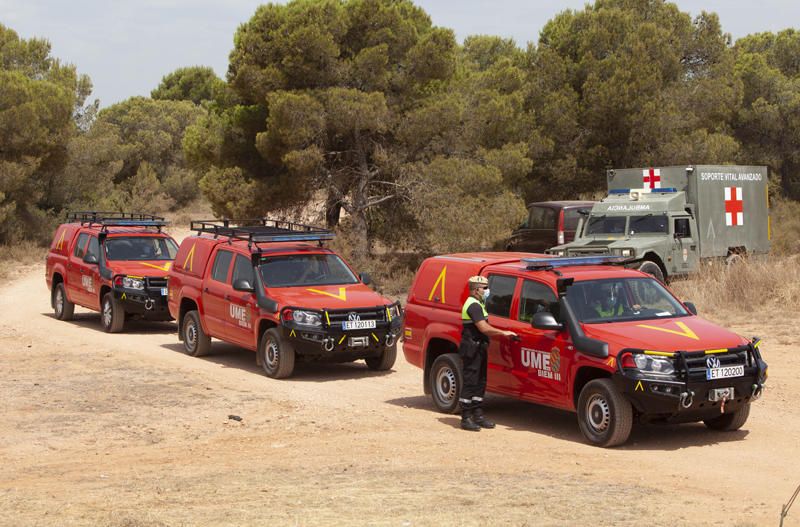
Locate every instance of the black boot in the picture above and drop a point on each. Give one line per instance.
(480, 419)
(467, 423)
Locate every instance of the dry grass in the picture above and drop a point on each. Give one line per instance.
(15, 259)
(763, 283)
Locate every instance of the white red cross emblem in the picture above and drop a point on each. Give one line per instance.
(651, 177)
(734, 206)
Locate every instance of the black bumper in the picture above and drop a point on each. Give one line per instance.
(685, 396)
(335, 345)
(148, 304)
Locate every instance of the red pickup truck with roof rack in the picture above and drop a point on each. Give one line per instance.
(112, 262)
(270, 286)
(609, 343)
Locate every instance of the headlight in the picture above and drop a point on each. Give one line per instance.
(306, 318)
(650, 364)
(624, 252)
(132, 283)
(559, 253)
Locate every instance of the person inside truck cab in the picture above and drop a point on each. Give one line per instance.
(605, 301)
(475, 335)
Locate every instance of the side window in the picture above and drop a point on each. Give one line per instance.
(94, 247)
(501, 293)
(543, 218)
(222, 263)
(243, 270)
(682, 228)
(571, 218)
(80, 246)
(536, 297)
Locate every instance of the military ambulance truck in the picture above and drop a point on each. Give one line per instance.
(670, 219)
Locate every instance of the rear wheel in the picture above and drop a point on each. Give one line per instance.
(63, 308)
(277, 355)
(730, 421)
(652, 268)
(112, 314)
(385, 360)
(445, 382)
(604, 415)
(195, 341)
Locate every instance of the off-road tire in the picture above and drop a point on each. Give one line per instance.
(277, 354)
(112, 314)
(195, 341)
(62, 307)
(384, 361)
(605, 417)
(445, 381)
(653, 269)
(730, 421)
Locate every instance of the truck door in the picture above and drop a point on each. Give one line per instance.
(215, 288)
(91, 274)
(544, 357)
(499, 306)
(684, 246)
(76, 290)
(241, 304)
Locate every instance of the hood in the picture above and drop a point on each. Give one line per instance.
(149, 268)
(327, 296)
(672, 334)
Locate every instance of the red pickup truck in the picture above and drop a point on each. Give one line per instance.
(271, 287)
(611, 344)
(112, 262)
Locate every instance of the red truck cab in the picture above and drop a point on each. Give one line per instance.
(271, 287)
(112, 262)
(609, 343)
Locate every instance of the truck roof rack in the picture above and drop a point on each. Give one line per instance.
(557, 261)
(262, 230)
(116, 219)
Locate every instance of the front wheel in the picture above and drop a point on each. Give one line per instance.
(604, 415)
(653, 269)
(384, 361)
(730, 421)
(63, 308)
(445, 382)
(112, 314)
(277, 355)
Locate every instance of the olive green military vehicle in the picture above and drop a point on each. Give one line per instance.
(670, 219)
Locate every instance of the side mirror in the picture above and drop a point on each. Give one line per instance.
(365, 278)
(691, 307)
(243, 285)
(546, 321)
(90, 259)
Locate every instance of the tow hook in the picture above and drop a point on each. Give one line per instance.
(687, 398)
(148, 304)
(758, 391)
(390, 338)
(328, 344)
(722, 404)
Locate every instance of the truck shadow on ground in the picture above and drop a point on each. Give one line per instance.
(231, 356)
(139, 327)
(560, 424)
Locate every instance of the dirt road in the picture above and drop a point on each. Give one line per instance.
(126, 430)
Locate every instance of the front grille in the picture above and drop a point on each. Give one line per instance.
(372, 313)
(594, 251)
(156, 283)
(697, 362)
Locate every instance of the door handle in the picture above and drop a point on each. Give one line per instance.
(227, 297)
(205, 290)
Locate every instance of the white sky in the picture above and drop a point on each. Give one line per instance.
(127, 46)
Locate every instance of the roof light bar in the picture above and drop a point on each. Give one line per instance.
(665, 190)
(550, 263)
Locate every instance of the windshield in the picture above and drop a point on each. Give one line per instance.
(305, 269)
(649, 223)
(620, 299)
(606, 225)
(140, 248)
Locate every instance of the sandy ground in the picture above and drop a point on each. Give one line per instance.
(126, 430)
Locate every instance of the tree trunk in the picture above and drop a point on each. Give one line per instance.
(333, 209)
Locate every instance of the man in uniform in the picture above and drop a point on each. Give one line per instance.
(474, 343)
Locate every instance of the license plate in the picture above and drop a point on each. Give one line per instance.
(163, 291)
(725, 372)
(358, 324)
